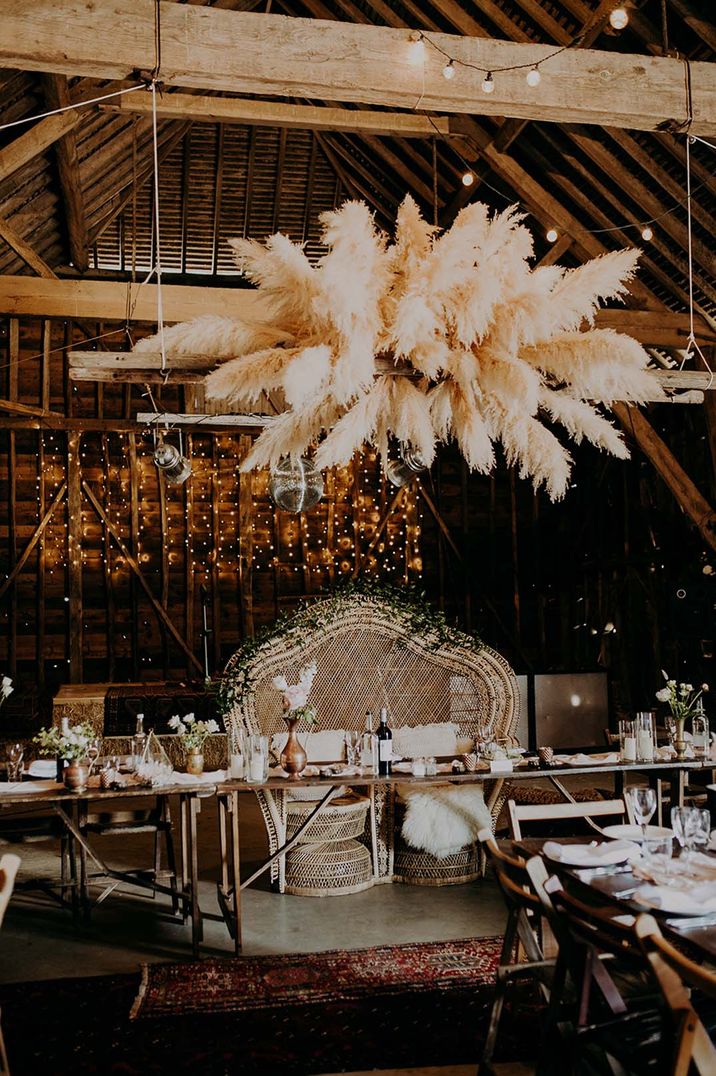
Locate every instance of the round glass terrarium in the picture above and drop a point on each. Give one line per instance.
(296, 484)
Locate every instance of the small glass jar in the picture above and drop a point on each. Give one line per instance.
(627, 741)
(419, 767)
(645, 736)
(257, 760)
(431, 767)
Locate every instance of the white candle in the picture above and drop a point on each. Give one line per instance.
(645, 744)
(418, 767)
(629, 749)
(256, 770)
(236, 767)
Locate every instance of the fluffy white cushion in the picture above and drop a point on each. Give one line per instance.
(443, 819)
(324, 746)
(426, 740)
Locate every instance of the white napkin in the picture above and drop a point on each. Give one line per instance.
(214, 777)
(699, 900)
(590, 760)
(589, 854)
(42, 767)
(30, 786)
(309, 771)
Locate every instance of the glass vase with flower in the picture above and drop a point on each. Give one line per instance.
(193, 735)
(682, 701)
(295, 708)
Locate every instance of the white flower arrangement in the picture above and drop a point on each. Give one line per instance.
(681, 698)
(72, 746)
(6, 688)
(295, 696)
(193, 733)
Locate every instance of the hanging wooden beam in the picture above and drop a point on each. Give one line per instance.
(182, 106)
(161, 613)
(691, 500)
(39, 531)
(245, 52)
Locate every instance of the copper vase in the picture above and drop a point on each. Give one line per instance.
(76, 775)
(293, 757)
(195, 761)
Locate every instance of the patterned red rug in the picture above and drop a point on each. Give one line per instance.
(264, 982)
(390, 1007)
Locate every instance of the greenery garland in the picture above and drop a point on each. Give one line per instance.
(409, 604)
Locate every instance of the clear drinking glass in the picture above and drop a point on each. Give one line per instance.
(643, 804)
(237, 754)
(627, 741)
(699, 830)
(645, 745)
(15, 753)
(352, 740)
(94, 749)
(257, 760)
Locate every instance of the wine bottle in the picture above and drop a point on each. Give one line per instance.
(139, 740)
(368, 746)
(385, 745)
(60, 760)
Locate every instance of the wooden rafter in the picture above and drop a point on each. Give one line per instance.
(182, 106)
(273, 55)
(109, 300)
(57, 96)
(27, 146)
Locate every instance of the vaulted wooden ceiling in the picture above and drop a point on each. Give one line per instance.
(84, 203)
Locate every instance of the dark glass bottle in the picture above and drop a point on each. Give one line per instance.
(385, 745)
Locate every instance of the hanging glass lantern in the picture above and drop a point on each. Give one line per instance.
(296, 484)
(404, 469)
(175, 467)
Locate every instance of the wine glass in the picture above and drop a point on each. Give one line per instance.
(643, 805)
(93, 752)
(682, 824)
(699, 830)
(15, 753)
(351, 740)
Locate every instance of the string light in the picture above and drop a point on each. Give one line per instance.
(416, 52)
(449, 70)
(468, 179)
(618, 18)
(647, 233)
(488, 84)
(552, 235)
(533, 76)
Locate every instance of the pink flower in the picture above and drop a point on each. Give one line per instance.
(295, 696)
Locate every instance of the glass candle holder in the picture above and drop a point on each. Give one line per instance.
(627, 741)
(645, 736)
(257, 760)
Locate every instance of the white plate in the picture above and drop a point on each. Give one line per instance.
(673, 902)
(634, 833)
(574, 855)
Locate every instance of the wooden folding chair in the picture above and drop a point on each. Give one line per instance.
(618, 1014)
(9, 865)
(555, 812)
(692, 1048)
(523, 929)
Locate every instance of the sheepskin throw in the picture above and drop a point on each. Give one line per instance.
(428, 338)
(443, 819)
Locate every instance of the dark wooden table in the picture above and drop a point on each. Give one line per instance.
(606, 886)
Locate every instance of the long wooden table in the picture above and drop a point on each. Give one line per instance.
(66, 805)
(230, 886)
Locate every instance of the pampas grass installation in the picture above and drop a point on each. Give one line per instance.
(427, 338)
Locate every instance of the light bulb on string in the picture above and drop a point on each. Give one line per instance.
(488, 84)
(416, 50)
(468, 179)
(647, 233)
(618, 18)
(552, 235)
(449, 70)
(533, 76)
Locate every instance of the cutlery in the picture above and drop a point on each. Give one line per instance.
(598, 872)
(688, 924)
(624, 893)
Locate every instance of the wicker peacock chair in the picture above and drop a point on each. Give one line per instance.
(370, 652)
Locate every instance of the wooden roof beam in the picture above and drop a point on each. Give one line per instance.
(182, 106)
(281, 56)
(41, 135)
(104, 300)
(57, 96)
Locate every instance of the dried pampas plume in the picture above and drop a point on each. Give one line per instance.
(428, 338)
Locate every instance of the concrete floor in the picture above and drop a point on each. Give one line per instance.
(39, 940)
